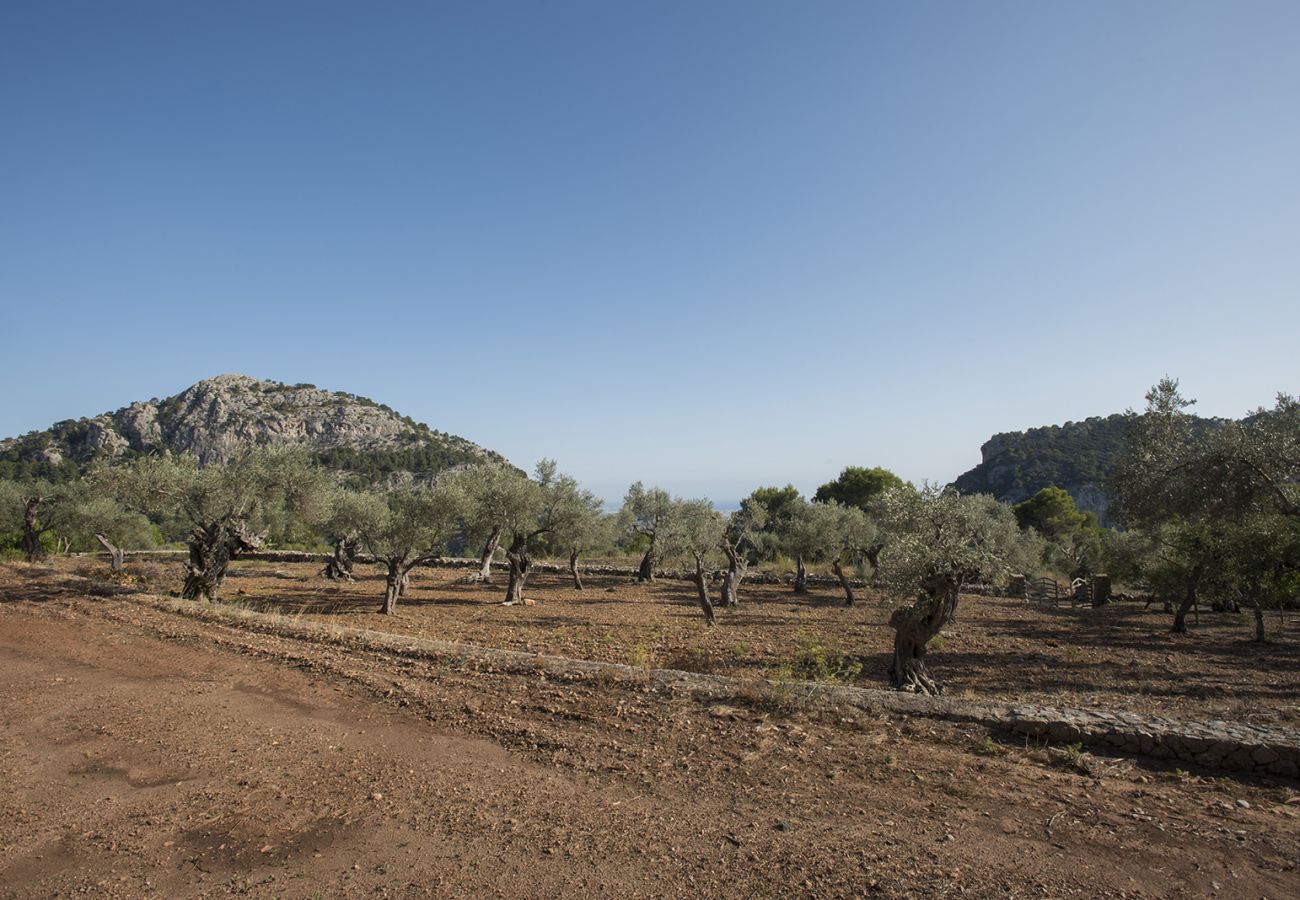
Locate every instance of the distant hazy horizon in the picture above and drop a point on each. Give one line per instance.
(706, 246)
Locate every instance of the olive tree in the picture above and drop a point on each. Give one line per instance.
(227, 508)
(1263, 566)
(492, 489)
(693, 531)
(527, 510)
(741, 543)
(77, 513)
(645, 513)
(936, 542)
(24, 506)
(779, 504)
(852, 538)
(88, 517)
(340, 528)
(1155, 492)
(805, 534)
(584, 527)
(1190, 489)
(406, 526)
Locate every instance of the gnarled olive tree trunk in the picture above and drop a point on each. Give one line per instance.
(396, 583)
(735, 574)
(844, 582)
(520, 564)
(702, 587)
(573, 569)
(32, 530)
(115, 554)
(212, 546)
(646, 572)
(485, 558)
(800, 575)
(913, 629)
(339, 567)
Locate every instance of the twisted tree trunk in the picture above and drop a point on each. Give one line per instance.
(520, 563)
(32, 530)
(872, 555)
(1189, 600)
(844, 582)
(395, 584)
(573, 569)
(485, 559)
(115, 554)
(702, 586)
(913, 629)
(212, 546)
(646, 572)
(339, 567)
(800, 575)
(731, 579)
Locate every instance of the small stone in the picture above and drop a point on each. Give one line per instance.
(376, 796)
(1243, 804)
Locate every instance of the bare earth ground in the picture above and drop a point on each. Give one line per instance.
(1120, 656)
(147, 754)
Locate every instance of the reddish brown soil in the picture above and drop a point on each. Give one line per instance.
(147, 754)
(1117, 656)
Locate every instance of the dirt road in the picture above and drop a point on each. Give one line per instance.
(146, 754)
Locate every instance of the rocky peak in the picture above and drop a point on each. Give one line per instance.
(219, 416)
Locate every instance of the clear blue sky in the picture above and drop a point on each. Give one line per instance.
(704, 244)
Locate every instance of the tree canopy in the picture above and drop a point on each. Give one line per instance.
(858, 486)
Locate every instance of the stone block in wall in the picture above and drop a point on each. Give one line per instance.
(1263, 756)
(1284, 767)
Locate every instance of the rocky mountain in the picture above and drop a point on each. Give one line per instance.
(220, 416)
(1077, 456)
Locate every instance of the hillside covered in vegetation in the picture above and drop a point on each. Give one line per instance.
(217, 417)
(1077, 456)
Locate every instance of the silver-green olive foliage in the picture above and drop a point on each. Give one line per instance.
(1218, 506)
(645, 511)
(827, 530)
(551, 504)
(807, 530)
(934, 532)
(497, 496)
(693, 531)
(262, 489)
(745, 529)
(87, 512)
(409, 524)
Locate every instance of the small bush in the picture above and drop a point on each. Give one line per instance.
(814, 661)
